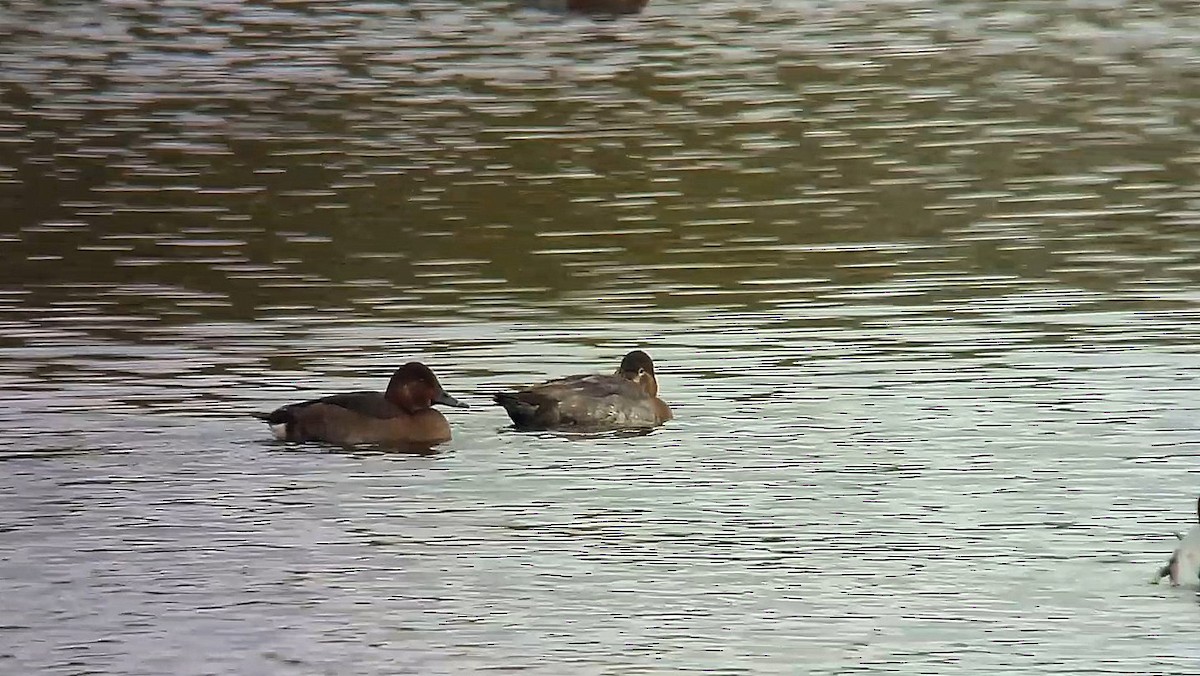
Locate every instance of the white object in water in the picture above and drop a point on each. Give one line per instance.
(1184, 566)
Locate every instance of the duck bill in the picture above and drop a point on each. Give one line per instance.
(447, 400)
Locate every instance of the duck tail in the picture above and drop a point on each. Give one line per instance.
(525, 410)
(279, 416)
(516, 408)
(280, 421)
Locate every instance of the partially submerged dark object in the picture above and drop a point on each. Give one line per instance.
(606, 6)
(595, 7)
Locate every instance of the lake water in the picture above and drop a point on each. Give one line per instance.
(920, 280)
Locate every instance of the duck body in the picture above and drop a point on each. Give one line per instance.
(403, 414)
(1184, 565)
(627, 399)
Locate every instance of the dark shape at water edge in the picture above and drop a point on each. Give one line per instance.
(598, 7)
(607, 6)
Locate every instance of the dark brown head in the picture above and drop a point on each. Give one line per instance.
(638, 367)
(413, 387)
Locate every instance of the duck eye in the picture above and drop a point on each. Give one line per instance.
(641, 372)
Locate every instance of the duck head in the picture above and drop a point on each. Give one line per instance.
(638, 367)
(413, 388)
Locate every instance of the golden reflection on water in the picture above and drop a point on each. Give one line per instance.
(481, 160)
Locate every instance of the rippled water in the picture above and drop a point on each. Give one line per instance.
(920, 279)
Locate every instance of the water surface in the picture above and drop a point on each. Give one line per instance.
(920, 280)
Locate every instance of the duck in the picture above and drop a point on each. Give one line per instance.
(627, 399)
(402, 414)
(1184, 565)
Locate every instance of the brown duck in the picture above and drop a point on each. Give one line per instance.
(402, 414)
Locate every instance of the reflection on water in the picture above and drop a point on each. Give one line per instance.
(920, 279)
